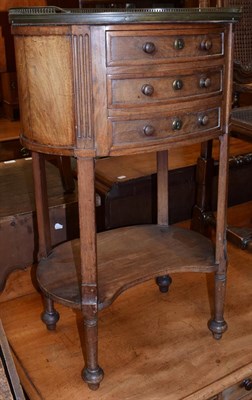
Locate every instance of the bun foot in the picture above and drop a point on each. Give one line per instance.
(93, 386)
(217, 328)
(164, 283)
(93, 377)
(50, 318)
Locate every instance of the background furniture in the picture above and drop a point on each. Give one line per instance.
(109, 58)
(241, 126)
(18, 228)
(8, 85)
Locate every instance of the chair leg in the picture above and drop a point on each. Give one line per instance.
(65, 168)
(204, 179)
(218, 325)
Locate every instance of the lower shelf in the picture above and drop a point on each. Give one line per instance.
(125, 258)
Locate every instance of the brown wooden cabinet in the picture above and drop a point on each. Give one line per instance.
(118, 83)
(10, 95)
(8, 88)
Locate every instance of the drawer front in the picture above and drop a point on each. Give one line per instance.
(129, 48)
(133, 92)
(238, 391)
(164, 127)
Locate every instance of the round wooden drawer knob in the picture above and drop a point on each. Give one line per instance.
(205, 82)
(206, 44)
(177, 84)
(203, 120)
(247, 384)
(177, 124)
(149, 130)
(179, 44)
(149, 47)
(147, 90)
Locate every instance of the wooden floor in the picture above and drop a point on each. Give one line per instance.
(152, 345)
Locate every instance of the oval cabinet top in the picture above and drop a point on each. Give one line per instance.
(56, 15)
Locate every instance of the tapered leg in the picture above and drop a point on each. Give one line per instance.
(164, 281)
(50, 316)
(92, 373)
(218, 325)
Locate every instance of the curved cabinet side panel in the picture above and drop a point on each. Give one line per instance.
(46, 92)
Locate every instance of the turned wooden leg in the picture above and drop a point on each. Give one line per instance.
(218, 325)
(50, 316)
(92, 374)
(163, 206)
(164, 283)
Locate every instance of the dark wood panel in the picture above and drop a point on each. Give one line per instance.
(18, 227)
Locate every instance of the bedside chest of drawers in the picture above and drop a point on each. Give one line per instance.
(105, 83)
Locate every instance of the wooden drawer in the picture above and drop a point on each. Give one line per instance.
(238, 391)
(164, 127)
(142, 90)
(155, 47)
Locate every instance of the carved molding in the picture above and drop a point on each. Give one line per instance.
(82, 90)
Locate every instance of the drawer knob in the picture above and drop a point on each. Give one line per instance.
(206, 44)
(149, 47)
(147, 90)
(179, 44)
(205, 82)
(177, 84)
(176, 124)
(203, 120)
(148, 130)
(247, 384)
